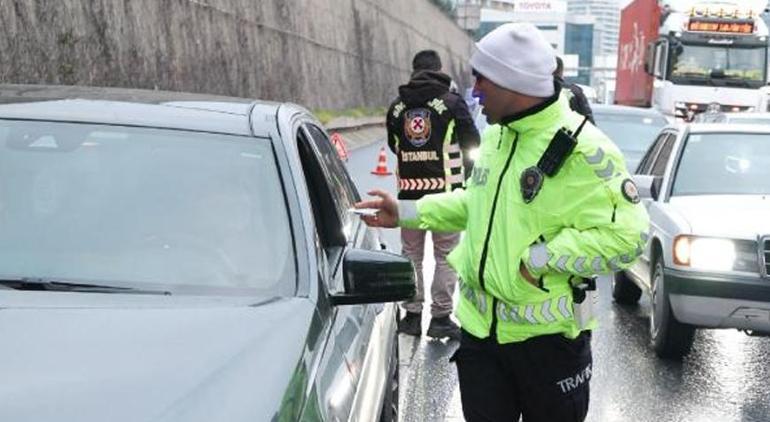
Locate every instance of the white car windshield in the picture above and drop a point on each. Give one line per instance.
(187, 212)
(724, 164)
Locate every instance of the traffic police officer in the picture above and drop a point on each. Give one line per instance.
(550, 204)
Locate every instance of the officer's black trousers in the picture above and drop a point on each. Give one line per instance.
(543, 379)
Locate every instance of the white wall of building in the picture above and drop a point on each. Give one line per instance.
(548, 15)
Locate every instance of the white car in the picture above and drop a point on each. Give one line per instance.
(707, 190)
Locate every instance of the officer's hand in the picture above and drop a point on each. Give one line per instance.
(527, 276)
(387, 206)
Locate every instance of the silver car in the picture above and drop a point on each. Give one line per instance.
(707, 191)
(632, 129)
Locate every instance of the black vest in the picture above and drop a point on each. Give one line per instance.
(429, 157)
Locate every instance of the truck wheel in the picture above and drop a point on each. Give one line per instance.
(624, 291)
(670, 338)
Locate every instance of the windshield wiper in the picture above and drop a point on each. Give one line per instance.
(50, 285)
(737, 82)
(694, 80)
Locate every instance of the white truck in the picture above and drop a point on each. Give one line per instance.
(682, 56)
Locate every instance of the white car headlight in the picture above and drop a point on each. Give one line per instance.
(704, 253)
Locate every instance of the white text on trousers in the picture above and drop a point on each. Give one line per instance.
(570, 383)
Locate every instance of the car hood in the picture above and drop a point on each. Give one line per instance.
(147, 360)
(734, 216)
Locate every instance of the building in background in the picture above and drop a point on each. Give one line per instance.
(583, 32)
(548, 15)
(579, 41)
(603, 75)
(504, 5)
(468, 15)
(605, 15)
(607, 23)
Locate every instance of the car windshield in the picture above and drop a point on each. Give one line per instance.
(191, 213)
(630, 132)
(724, 164)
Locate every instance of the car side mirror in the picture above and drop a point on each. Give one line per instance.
(647, 185)
(375, 276)
(649, 59)
(677, 47)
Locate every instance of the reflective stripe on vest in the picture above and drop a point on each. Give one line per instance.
(453, 162)
(551, 310)
(547, 312)
(478, 299)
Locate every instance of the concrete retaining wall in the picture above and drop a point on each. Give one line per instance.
(319, 53)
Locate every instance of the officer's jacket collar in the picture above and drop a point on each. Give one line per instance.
(539, 116)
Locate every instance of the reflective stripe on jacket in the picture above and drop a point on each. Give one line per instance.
(579, 224)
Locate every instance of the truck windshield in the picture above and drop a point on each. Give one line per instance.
(718, 65)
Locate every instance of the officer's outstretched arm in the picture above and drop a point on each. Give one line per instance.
(442, 212)
(604, 227)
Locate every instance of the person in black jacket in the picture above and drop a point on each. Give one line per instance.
(577, 99)
(432, 133)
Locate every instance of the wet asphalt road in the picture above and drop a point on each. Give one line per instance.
(725, 378)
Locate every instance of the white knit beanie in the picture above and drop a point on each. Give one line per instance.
(517, 57)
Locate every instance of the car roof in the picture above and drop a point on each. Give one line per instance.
(724, 128)
(732, 116)
(745, 115)
(621, 109)
(137, 107)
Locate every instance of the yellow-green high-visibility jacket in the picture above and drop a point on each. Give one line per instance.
(580, 223)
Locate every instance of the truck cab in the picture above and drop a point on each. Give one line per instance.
(696, 54)
(708, 56)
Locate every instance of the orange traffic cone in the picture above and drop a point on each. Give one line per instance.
(382, 165)
(339, 143)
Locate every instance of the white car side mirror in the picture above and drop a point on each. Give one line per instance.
(647, 185)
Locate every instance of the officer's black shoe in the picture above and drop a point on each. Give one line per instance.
(411, 324)
(441, 327)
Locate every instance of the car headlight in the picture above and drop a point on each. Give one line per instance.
(704, 253)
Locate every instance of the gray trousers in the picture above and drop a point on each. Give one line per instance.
(444, 278)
